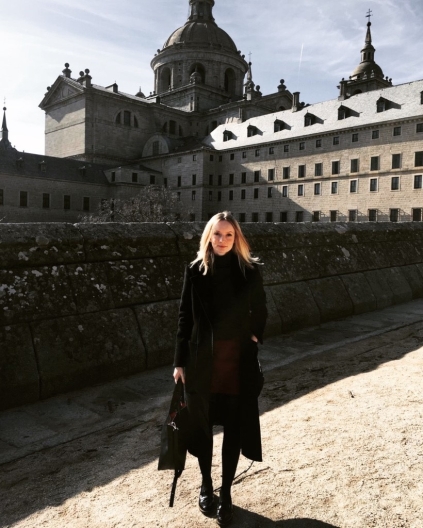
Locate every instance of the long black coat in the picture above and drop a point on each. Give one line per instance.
(194, 350)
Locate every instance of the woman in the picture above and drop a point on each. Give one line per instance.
(222, 317)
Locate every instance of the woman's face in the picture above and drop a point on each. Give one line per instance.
(223, 238)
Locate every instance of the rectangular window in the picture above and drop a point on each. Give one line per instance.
(220, 158)
(299, 216)
(242, 217)
(301, 171)
(283, 217)
(219, 196)
(210, 179)
(269, 217)
(373, 184)
(256, 176)
(23, 199)
(333, 216)
(66, 202)
(396, 161)
(244, 155)
(419, 128)
(372, 215)
(243, 177)
(394, 215)
(193, 196)
(335, 167)
(254, 217)
(156, 148)
(334, 188)
(317, 188)
(397, 131)
(352, 215)
(194, 179)
(353, 186)
(256, 194)
(178, 194)
(336, 140)
(243, 194)
(192, 217)
(135, 177)
(286, 173)
(179, 160)
(271, 174)
(375, 134)
(165, 182)
(152, 179)
(219, 180)
(231, 196)
(354, 165)
(302, 145)
(284, 191)
(113, 176)
(301, 190)
(194, 157)
(417, 215)
(231, 179)
(46, 201)
(232, 157)
(318, 143)
(271, 150)
(418, 181)
(86, 203)
(210, 196)
(179, 181)
(374, 163)
(211, 157)
(126, 118)
(354, 138)
(395, 183)
(286, 148)
(418, 159)
(318, 169)
(316, 216)
(1, 197)
(257, 153)
(270, 192)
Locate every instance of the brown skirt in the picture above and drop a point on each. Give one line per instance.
(225, 370)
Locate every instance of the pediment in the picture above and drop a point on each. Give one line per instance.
(62, 89)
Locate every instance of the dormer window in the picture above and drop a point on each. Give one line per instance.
(343, 112)
(309, 119)
(227, 135)
(19, 163)
(252, 131)
(382, 105)
(279, 125)
(82, 171)
(42, 166)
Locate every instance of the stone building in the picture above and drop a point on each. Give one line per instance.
(208, 133)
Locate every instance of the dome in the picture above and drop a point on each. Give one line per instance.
(367, 68)
(203, 34)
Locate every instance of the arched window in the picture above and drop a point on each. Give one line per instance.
(165, 80)
(126, 118)
(230, 81)
(199, 68)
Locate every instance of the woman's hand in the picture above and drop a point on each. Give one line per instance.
(179, 373)
(254, 338)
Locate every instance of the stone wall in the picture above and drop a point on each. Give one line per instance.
(81, 304)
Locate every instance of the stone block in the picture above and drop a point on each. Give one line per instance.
(414, 279)
(158, 324)
(117, 241)
(274, 323)
(78, 351)
(398, 283)
(360, 293)
(19, 381)
(295, 305)
(24, 245)
(187, 237)
(172, 270)
(136, 281)
(331, 298)
(379, 285)
(90, 286)
(373, 256)
(35, 293)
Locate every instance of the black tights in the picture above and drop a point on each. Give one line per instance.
(224, 410)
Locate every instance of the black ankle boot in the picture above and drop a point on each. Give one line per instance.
(225, 510)
(206, 499)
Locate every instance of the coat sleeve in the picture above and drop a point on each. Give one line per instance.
(185, 324)
(258, 305)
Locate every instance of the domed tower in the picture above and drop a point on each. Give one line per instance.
(199, 58)
(368, 75)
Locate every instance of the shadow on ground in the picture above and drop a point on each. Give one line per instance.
(49, 478)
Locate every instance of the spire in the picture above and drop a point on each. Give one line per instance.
(4, 131)
(201, 10)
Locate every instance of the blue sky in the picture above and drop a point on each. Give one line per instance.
(117, 40)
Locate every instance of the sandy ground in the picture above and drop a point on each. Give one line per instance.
(343, 447)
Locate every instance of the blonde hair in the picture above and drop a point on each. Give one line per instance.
(241, 247)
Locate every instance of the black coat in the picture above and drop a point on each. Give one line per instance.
(194, 349)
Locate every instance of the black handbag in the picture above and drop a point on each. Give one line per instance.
(173, 450)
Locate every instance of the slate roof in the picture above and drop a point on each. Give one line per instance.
(59, 169)
(407, 99)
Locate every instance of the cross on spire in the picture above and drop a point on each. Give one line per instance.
(249, 57)
(369, 14)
